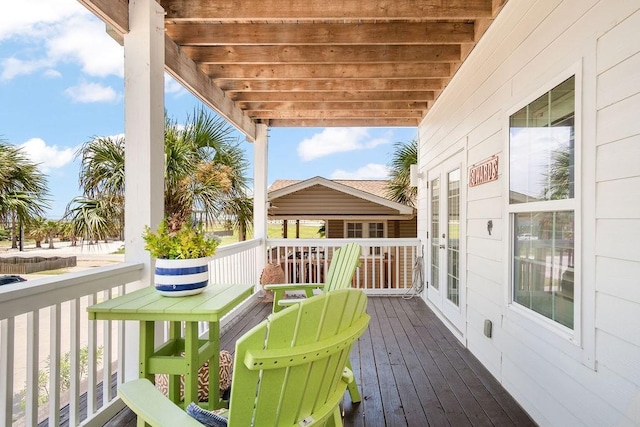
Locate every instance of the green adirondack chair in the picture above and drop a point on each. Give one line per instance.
(341, 269)
(290, 370)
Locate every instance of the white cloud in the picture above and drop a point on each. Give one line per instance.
(47, 157)
(83, 39)
(32, 17)
(369, 171)
(13, 67)
(52, 32)
(91, 92)
(171, 86)
(52, 74)
(337, 140)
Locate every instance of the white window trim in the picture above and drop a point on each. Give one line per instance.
(570, 340)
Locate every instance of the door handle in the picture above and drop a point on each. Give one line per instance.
(442, 246)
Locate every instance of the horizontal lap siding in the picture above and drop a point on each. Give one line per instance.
(531, 44)
(320, 200)
(618, 215)
(335, 229)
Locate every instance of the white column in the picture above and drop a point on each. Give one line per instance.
(260, 151)
(144, 136)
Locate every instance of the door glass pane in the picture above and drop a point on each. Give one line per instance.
(435, 233)
(543, 264)
(453, 233)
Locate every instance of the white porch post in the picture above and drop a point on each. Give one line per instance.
(260, 168)
(144, 148)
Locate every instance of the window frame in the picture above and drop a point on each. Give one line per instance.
(520, 312)
(366, 233)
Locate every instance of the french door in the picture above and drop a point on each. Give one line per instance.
(446, 289)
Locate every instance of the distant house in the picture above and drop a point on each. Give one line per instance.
(350, 208)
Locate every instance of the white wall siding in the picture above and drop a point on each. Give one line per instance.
(594, 377)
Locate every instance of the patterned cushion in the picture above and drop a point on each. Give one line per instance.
(207, 418)
(226, 360)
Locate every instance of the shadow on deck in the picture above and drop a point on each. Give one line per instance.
(411, 370)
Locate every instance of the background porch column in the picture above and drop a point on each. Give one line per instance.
(144, 136)
(260, 154)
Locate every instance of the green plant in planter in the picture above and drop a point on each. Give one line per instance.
(188, 242)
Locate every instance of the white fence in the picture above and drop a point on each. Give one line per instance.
(50, 353)
(386, 265)
(52, 356)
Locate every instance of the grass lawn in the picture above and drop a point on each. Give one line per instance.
(274, 231)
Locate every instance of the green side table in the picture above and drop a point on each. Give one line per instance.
(182, 354)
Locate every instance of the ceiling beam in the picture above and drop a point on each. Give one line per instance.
(423, 70)
(329, 85)
(185, 71)
(411, 33)
(233, 10)
(332, 96)
(336, 114)
(367, 122)
(115, 13)
(292, 54)
(249, 107)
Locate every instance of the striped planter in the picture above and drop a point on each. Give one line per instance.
(180, 277)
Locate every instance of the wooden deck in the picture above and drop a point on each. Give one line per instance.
(412, 372)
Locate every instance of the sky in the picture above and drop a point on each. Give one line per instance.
(61, 84)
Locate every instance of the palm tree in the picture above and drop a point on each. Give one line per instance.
(52, 228)
(205, 170)
(92, 218)
(36, 229)
(102, 181)
(399, 188)
(558, 182)
(23, 188)
(240, 210)
(67, 232)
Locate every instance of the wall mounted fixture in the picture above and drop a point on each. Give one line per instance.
(414, 175)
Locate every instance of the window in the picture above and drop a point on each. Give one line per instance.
(376, 230)
(354, 230)
(542, 203)
(372, 230)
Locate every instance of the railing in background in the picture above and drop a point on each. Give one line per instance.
(385, 264)
(236, 263)
(45, 318)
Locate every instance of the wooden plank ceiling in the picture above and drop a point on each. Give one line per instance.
(317, 62)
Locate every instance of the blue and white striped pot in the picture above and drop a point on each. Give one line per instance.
(180, 277)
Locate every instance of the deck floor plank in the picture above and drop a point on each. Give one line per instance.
(416, 359)
(411, 370)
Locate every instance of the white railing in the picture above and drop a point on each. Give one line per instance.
(51, 354)
(236, 263)
(386, 265)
